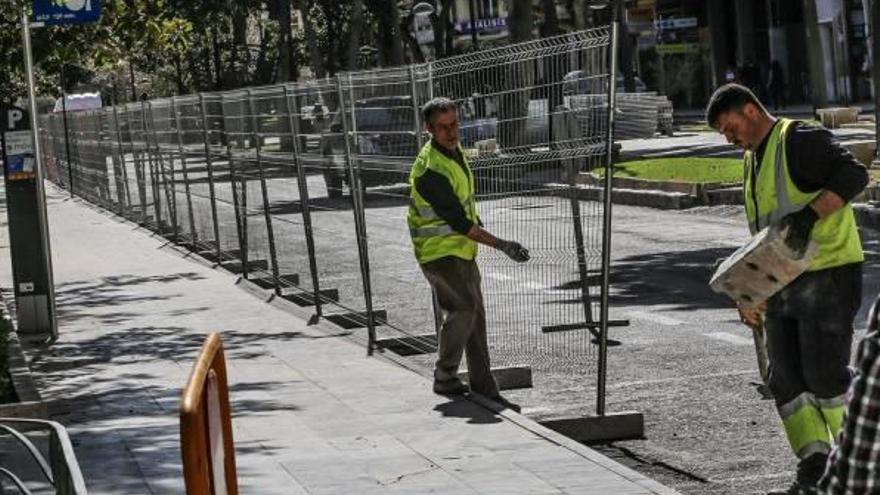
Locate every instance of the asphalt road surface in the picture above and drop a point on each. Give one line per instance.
(685, 360)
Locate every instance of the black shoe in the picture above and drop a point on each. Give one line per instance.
(453, 386)
(795, 489)
(506, 403)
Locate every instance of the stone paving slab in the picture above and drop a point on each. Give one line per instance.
(311, 413)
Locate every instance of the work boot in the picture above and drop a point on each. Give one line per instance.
(809, 471)
(453, 386)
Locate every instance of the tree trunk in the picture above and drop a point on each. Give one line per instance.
(215, 53)
(311, 40)
(513, 107)
(818, 91)
(551, 20)
(390, 41)
(286, 60)
(354, 40)
(439, 25)
(576, 13)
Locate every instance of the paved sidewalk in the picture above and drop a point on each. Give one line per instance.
(312, 414)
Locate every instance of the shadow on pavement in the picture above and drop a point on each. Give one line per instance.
(467, 409)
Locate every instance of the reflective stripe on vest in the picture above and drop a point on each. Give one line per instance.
(783, 202)
(431, 231)
(428, 213)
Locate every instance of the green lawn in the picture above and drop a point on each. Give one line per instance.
(726, 170)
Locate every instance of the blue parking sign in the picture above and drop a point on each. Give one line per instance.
(60, 12)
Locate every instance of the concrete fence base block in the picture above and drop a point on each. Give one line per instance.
(252, 265)
(410, 345)
(302, 298)
(509, 377)
(359, 319)
(626, 425)
(269, 282)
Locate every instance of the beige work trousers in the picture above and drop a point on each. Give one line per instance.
(457, 284)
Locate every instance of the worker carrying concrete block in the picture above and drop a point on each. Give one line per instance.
(800, 183)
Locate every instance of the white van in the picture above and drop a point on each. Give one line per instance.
(82, 101)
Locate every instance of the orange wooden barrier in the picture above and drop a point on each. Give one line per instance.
(206, 426)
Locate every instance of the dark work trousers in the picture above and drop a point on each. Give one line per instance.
(809, 328)
(457, 284)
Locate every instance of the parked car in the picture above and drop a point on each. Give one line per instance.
(385, 142)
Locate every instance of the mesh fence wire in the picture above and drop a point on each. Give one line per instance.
(303, 188)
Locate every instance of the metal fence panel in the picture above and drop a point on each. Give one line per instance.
(303, 187)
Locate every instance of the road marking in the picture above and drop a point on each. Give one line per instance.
(655, 318)
(731, 338)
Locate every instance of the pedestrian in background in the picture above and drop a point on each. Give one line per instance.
(797, 177)
(445, 230)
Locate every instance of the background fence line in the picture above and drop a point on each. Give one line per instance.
(302, 188)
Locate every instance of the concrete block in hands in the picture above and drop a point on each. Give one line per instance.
(760, 268)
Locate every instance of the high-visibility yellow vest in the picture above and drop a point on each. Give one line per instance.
(772, 195)
(432, 237)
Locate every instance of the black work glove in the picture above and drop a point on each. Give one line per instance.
(513, 250)
(799, 225)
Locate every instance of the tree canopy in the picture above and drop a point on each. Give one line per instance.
(163, 47)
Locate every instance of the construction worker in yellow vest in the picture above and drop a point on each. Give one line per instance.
(796, 176)
(445, 230)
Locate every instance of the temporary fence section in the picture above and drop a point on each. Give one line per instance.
(540, 313)
(303, 189)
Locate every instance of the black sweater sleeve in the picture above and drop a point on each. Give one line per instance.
(817, 162)
(437, 191)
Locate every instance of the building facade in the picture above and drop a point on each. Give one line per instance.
(685, 48)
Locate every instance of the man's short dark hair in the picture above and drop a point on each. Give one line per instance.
(435, 106)
(730, 97)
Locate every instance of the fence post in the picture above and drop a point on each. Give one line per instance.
(172, 210)
(240, 209)
(270, 232)
(209, 164)
(419, 137)
(194, 237)
(154, 173)
(293, 112)
(606, 225)
(124, 194)
(354, 181)
(66, 137)
(140, 174)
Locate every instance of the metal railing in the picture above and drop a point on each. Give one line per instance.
(302, 187)
(60, 470)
